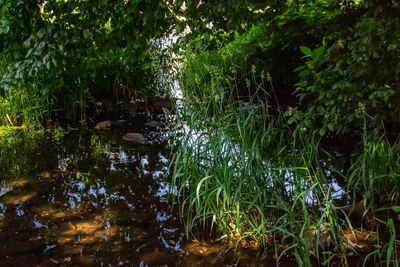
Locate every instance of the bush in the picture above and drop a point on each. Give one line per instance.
(348, 64)
(358, 74)
(58, 54)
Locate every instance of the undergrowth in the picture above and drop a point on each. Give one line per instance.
(19, 143)
(264, 184)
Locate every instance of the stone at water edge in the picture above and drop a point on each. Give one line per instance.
(153, 124)
(136, 138)
(45, 175)
(103, 125)
(360, 239)
(323, 235)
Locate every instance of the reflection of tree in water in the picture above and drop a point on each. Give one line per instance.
(76, 206)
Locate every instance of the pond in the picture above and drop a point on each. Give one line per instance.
(93, 199)
(102, 198)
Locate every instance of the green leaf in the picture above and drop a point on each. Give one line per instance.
(291, 120)
(86, 33)
(322, 131)
(391, 243)
(306, 51)
(396, 208)
(41, 33)
(302, 67)
(319, 52)
(392, 46)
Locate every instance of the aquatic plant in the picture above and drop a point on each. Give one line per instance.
(241, 168)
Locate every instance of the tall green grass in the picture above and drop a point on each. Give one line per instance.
(242, 169)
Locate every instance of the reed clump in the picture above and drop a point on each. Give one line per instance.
(270, 186)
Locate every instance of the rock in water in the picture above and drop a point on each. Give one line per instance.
(45, 175)
(104, 125)
(153, 124)
(136, 138)
(321, 235)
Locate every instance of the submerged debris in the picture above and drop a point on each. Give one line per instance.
(153, 124)
(103, 125)
(135, 138)
(360, 239)
(321, 236)
(45, 175)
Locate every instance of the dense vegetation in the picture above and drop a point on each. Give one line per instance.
(291, 107)
(293, 121)
(335, 58)
(62, 55)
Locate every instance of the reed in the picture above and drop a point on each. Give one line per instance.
(242, 169)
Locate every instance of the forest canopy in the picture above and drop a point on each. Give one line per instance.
(329, 58)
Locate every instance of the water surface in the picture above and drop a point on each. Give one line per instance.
(92, 199)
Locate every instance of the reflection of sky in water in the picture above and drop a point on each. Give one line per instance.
(157, 174)
(38, 224)
(19, 210)
(87, 186)
(112, 168)
(5, 190)
(238, 162)
(163, 159)
(144, 161)
(161, 217)
(292, 180)
(165, 189)
(3, 210)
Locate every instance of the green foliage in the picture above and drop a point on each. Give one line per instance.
(233, 70)
(236, 141)
(228, 170)
(247, 172)
(97, 147)
(207, 23)
(359, 72)
(391, 254)
(17, 145)
(347, 64)
(57, 54)
(270, 46)
(58, 134)
(375, 170)
(251, 160)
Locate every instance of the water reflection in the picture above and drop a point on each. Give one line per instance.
(99, 200)
(94, 200)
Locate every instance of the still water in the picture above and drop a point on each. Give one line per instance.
(95, 199)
